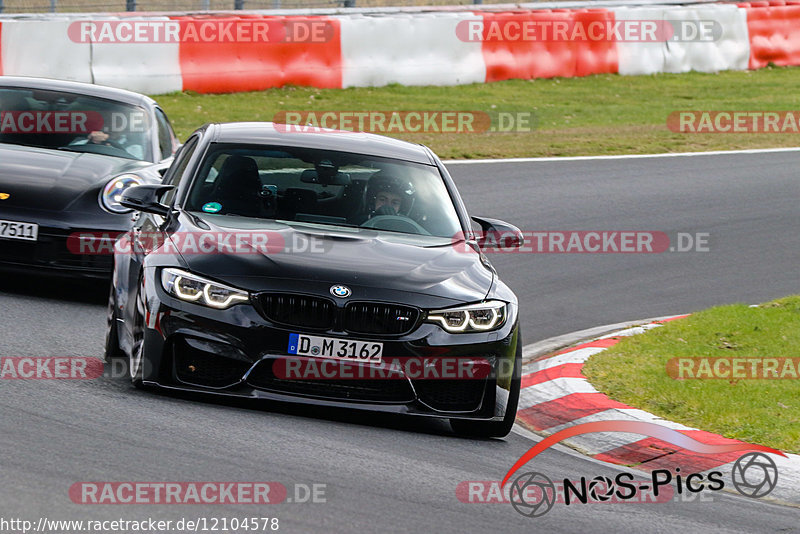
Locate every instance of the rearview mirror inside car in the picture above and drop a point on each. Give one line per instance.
(311, 176)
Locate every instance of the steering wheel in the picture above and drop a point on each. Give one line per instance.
(396, 223)
(115, 144)
(110, 148)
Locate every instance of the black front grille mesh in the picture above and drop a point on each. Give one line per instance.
(371, 318)
(299, 310)
(376, 318)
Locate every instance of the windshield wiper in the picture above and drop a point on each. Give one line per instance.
(69, 149)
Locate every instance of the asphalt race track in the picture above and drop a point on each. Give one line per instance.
(394, 475)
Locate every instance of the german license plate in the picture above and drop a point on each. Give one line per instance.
(19, 230)
(338, 349)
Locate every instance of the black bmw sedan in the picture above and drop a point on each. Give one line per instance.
(67, 152)
(333, 268)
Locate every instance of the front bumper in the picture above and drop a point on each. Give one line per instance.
(237, 352)
(69, 244)
(51, 255)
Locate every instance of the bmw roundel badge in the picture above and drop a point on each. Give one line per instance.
(341, 291)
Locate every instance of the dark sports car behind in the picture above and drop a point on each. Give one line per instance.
(67, 152)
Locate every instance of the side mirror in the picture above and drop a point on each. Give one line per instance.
(145, 198)
(498, 234)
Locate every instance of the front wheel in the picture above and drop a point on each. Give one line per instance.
(496, 429)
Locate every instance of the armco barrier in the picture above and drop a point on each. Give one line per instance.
(409, 48)
(774, 30)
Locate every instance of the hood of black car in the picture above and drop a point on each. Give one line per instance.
(48, 179)
(308, 259)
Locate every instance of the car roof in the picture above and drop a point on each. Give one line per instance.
(265, 133)
(99, 91)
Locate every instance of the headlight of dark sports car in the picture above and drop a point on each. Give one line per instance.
(112, 192)
(192, 288)
(480, 317)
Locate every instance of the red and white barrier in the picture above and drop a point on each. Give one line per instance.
(542, 57)
(409, 48)
(774, 31)
(253, 65)
(143, 67)
(729, 50)
(42, 48)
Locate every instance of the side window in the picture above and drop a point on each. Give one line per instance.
(166, 137)
(176, 170)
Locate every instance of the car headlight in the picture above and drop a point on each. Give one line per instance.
(112, 192)
(480, 317)
(193, 288)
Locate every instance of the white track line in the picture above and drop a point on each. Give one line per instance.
(621, 156)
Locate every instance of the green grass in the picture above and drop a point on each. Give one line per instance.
(594, 115)
(752, 410)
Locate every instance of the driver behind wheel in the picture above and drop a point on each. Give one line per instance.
(114, 139)
(387, 195)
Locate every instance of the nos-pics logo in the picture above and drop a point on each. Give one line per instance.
(533, 494)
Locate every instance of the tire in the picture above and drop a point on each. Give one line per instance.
(136, 357)
(496, 429)
(112, 349)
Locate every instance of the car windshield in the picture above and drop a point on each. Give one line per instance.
(290, 184)
(74, 122)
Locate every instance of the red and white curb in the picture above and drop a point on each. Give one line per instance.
(555, 395)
